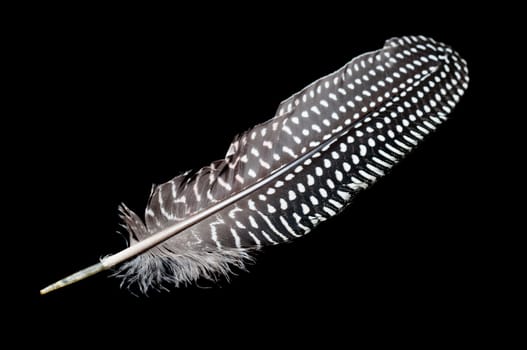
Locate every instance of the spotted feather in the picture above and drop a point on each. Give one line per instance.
(283, 177)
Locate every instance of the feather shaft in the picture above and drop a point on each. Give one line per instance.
(77, 276)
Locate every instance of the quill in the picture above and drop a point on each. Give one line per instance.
(282, 178)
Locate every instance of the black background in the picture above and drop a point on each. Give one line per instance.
(115, 100)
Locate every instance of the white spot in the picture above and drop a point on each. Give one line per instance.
(316, 128)
(338, 175)
(295, 120)
(335, 155)
(237, 241)
(323, 192)
(402, 145)
(289, 151)
(319, 171)
(381, 162)
(292, 195)
(270, 209)
(387, 155)
(278, 184)
(301, 188)
(327, 163)
(310, 180)
(344, 195)
(313, 200)
(367, 175)
(262, 197)
(251, 173)
(240, 225)
(286, 129)
(268, 238)
(305, 208)
(375, 169)
(429, 125)
(362, 150)
(329, 211)
(251, 206)
(394, 150)
(289, 177)
(421, 129)
(255, 152)
(214, 233)
(224, 184)
(330, 183)
(315, 109)
(355, 159)
(256, 240)
(271, 191)
(264, 164)
(336, 204)
(268, 144)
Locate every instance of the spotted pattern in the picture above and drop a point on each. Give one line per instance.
(355, 124)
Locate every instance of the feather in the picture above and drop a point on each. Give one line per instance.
(281, 178)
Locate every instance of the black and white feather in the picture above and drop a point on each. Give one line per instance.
(326, 143)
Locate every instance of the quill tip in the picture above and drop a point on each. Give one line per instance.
(76, 277)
